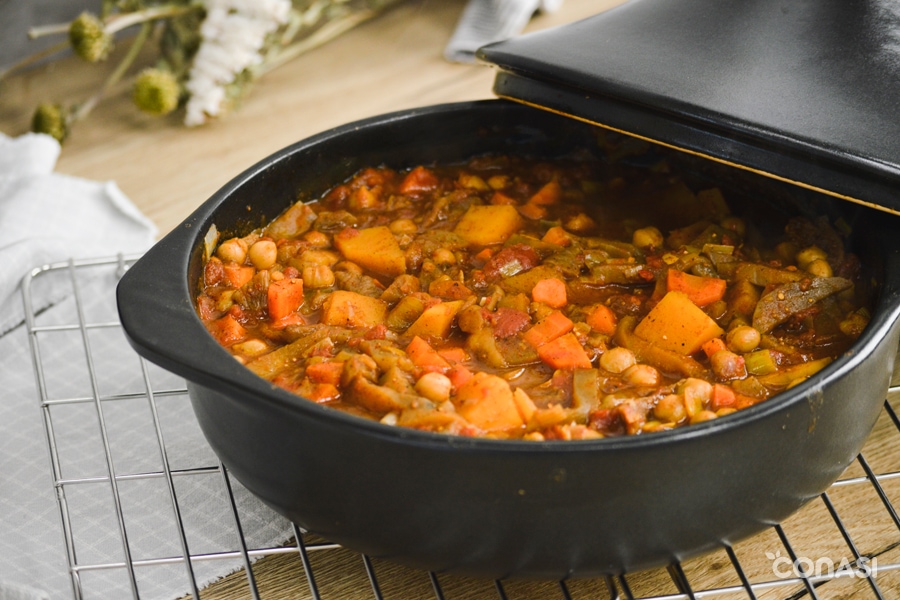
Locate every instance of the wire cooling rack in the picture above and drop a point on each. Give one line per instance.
(845, 544)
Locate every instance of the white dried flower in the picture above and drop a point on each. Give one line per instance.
(239, 40)
(233, 32)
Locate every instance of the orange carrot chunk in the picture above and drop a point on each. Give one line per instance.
(284, 297)
(551, 292)
(237, 275)
(701, 290)
(459, 375)
(453, 354)
(565, 352)
(321, 392)
(712, 346)
(557, 235)
(550, 193)
(722, 397)
(548, 329)
(227, 330)
(418, 180)
(325, 372)
(425, 357)
(602, 320)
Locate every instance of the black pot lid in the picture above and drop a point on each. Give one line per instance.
(806, 91)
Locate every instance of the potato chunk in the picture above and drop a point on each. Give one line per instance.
(678, 325)
(486, 225)
(487, 402)
(436, 321)
(349, 309)
(375, 249)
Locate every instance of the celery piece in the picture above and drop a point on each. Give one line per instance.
(760, 362)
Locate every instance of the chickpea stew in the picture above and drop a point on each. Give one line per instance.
(537, 300)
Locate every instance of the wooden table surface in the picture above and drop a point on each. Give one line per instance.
(393, 62)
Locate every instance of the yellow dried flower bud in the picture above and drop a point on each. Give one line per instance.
(156, 91)
(89, 38)
(50, 119)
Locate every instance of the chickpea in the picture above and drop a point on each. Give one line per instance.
(742, 339)
(854, 323)
(647, 237)
(319, 257)
(641, 375)
(349, 267)
(697, 393)
(727, 365)
(317, 239)
(434, 386)
(443, 257)
(263, 254)
(703, 415)
(617, 360)
(252, 347)
(819, 268)
(810, 254)
(446, 407)
(233, 250)
(670, 409)
(403, 226)
(319, 276)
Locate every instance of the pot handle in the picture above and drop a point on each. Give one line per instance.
(156, 309)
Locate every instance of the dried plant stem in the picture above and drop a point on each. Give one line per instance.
(88, 105)
(44, 30)
(325, 33)
(114, 24)
(118, 22)
(30, 60)
(121, 21)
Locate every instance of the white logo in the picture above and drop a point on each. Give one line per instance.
(784, 568)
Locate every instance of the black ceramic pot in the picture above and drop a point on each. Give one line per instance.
(487, 507)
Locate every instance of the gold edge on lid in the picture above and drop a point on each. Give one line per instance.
(706, 156)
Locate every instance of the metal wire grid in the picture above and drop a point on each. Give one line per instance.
(870, 570)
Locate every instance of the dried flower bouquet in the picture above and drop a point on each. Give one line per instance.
(209, 51)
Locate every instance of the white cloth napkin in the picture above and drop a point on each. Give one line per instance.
(45, 218)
